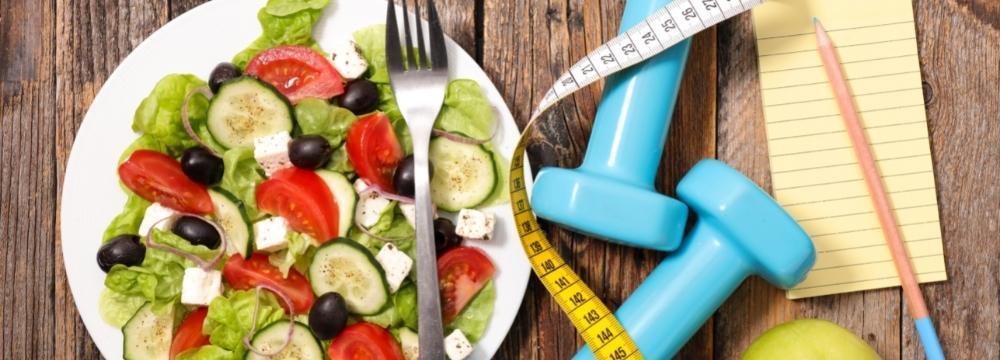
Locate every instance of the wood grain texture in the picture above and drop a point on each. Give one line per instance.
(959, 46)
(92, 38)
(55, 55)
(27, 181)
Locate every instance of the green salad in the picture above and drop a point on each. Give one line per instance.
(269, 209)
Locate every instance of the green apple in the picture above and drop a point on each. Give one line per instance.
(809, 339)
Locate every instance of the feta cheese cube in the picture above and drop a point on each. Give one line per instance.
(270, 234)
(348, 61)
(271, 152)
(370, 205)
(154, 213)
(475, 224)
(396, 264)
(200, 287)
(457, 346)
(410, 213)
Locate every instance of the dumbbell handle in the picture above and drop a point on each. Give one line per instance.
(632, 121)
(681, 293)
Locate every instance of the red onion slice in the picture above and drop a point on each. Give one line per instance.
(253, 321)
(204, 90)
(202, 263)
(386, 194)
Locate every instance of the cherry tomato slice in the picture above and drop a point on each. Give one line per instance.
(374, 150)
(246, 274)
(298, 72)
(303, 199)
(462, 271)
(189, 335)
(157, 177)
(364, 341)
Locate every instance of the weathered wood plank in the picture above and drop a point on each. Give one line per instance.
(960, 61)
(27, 180)
(91, 39)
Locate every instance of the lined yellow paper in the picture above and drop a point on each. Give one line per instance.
(814, 171)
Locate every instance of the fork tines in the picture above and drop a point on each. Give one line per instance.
(415, 60)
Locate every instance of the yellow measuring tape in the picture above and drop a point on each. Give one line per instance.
(596, 323)
(678, 20)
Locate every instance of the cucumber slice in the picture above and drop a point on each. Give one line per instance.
(148, 334)
(245, 109)
(346, 267)
(304, 344)
(464, 175)
(410, 343)
(231, 215)
(343, 195)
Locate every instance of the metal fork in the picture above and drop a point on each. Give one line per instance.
(420, 86)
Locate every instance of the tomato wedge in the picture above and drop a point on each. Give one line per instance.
(364, 341)
(303, 199)
(189, 335)
(462, 271)
(246, 274)
(298, 72)
(157, 177)
(374, 149)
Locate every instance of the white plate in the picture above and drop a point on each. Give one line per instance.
(194, 43)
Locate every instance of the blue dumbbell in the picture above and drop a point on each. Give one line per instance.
(611, 195)
(739, 231)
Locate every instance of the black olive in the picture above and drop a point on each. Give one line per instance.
(201, 165)
(360, 96)
(403, 179)
(444, 235)
(328, 315)
(197, 231)
(121, 249)
(309, 151)
(222, 72)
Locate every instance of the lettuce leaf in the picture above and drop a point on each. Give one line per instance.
(158, 279)
(340, 162)
(285, 8)
(466, 110)
(117, 308)
(230, 318)
(128, 221)
(208, 352)
(284, 22)
(476, 315)
(404, 303)
(159, 114)
(298, 245)
(241, 176)
(403, 311)
(317, 117)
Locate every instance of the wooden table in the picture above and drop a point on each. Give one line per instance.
(54, 56)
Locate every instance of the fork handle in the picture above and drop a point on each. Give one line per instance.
(430, 328)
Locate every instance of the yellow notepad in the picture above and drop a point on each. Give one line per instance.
(814, 172)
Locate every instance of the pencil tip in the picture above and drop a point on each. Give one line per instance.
(815, 20)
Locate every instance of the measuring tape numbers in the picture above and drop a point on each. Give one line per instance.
(666, 27)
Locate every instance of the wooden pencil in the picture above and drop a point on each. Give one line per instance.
(880, 198)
